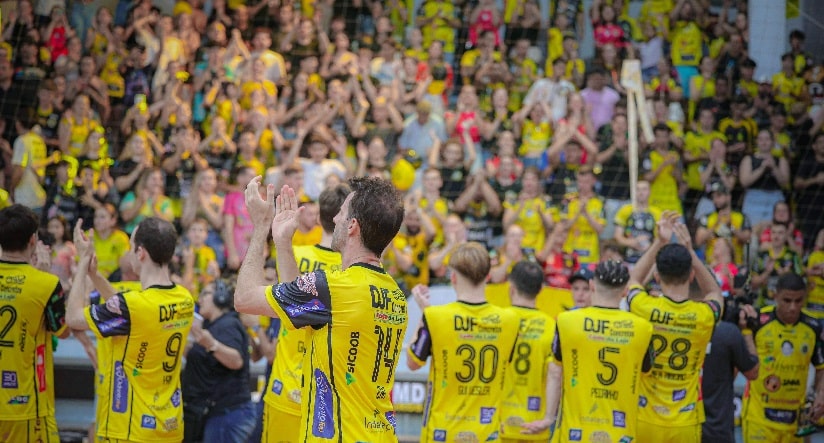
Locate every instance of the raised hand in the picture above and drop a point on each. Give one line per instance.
(82, 240)
(682, 234)
(287, 212)
(260, 211)
(666, 226)
(421, 294)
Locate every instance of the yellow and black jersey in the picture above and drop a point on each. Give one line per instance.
(671, 392)
(32, 309)
(283, 390)
(146, 331)
(470, 346)
(786, 352)
(524, 396)
(355, 320)
(603, 352)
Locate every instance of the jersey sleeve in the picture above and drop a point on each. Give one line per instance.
(306, 301)
(421, 348)
(109, 319)
(56, 311)
(556, 345)
(635, 291)
(649, 358)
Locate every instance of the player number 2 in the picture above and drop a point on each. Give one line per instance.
(678, 360)
(485, 367)
(612, 370)
(8, 316)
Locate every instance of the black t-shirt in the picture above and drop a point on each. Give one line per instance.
(727, 351)
(205, 380)
(614, 176)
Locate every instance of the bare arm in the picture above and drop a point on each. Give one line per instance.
(250, 293)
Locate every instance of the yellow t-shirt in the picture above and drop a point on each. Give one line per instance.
(603, 353)
(307, 238)
(815, 299)
(110, 250)
(530, 220)
(664, 189)
(439, 29)
(582, 238)
(535, 138)
(720, 229)
(469, 345)
(284, 388)
(524, 398)
(687, 44)
(417, 246)
(355, 321)
(699, 143)
(142, 399)
(671, 392)
(787, 89)
(33, 310)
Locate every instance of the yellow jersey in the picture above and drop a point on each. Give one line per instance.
(524, 396)
(603, 352)
(698, 144)
(687, 44)
(722, 227)
(355, 321)
(582, 238)
(530, 220)
(815, 299)
(32, 309)
(416, 246)
(439, 29)
(109, 250)
(139, 396)
(309, 238)
(535, 138)
(785, 351)
(470, 345)
(671, 392)
(664, 189)
(284, 388)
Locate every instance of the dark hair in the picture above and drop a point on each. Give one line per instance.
(67, 229)
(798, 34)
(17, 224)
(661, 127)
(790, 282)
(26, 117)
(329, 202)
(674, 263)
(527, 277)
(378, 208)
(158, 237)
(612, 274)
(787, 56)
(224, 296)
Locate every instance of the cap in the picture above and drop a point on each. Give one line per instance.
(581, 274)
(718, 187)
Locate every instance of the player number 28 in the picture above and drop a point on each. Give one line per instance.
(680, 347)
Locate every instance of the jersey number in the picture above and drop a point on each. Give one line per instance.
(485, 367)
(610, 367)
(522, 352)
(680, 347)
(8, 316)
(386, 355)
(173, 350)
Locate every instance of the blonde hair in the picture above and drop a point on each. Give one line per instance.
(471, 260)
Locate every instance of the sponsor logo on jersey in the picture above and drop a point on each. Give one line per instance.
(277, 387)
(19, 400)
(109, 325)
(619, 419)
(307, 283)
(780, 415)
(170, 424)
(148, 422)
(313, 305)
(642, 401)
(9, 379)
(120, 400)
(352, 355)
(40, 367)
(625, 439)
(687, 408)
(600, 437)
(493, 436)
(390, 417)
(575, 435)
(176, 397)
(533, 403)
(679, 395)
(487, 414)
(323, 425)
(466, 437)
(439, 435)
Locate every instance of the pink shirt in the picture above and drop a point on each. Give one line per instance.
(602, 104)
(235, 205)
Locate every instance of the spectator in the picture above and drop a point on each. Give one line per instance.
(599, 97)
(662, 168)
(723, 223)
(147, 200)
(773, 262)
(782, 214)
(110, 243)
(216, 402)
(763, 176)
(584, 217)
(635, 224)
(809, 183)
(531, 211)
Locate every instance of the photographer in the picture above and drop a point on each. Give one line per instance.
(217, 406)
(731, 350)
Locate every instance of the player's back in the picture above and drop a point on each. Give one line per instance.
(602, 351)
(671, 392)
(352, 361)
(25, 349)
(471, 347)
(143, 400)
(283, 390)
(524, 398)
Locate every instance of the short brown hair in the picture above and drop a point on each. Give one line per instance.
(472, 261)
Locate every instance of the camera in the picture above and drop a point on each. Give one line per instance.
(734, 303)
